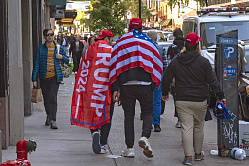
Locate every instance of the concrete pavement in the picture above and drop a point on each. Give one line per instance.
(71, 145)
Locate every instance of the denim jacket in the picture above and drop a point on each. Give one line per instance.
(40, 63)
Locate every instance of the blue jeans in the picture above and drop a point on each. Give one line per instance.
(157, 104)
(65, 48)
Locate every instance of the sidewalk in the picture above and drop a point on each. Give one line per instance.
(71, 145)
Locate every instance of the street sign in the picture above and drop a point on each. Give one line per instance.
(227, 73)
(82, 5)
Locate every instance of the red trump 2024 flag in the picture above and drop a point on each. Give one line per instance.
(92, 96)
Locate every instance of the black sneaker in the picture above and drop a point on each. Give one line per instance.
(95, 144)
(53, 125)
(157, 128)
(47, 123)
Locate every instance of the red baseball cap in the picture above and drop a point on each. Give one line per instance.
(192, 39)
(104, 33)
(136, 23)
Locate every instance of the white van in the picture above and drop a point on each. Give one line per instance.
(213, 21)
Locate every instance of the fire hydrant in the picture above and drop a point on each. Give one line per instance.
(22, 149)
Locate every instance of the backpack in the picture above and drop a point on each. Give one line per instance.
(173, 51)
(176, 50)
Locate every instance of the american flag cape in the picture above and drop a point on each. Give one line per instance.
(92, 95)
(136, 49)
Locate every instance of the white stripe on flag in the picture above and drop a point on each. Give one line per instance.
(105, 45)
(136, 39)
(134, 59)
(77, 108)
(86, 53)
(157, 74)
(112, 73)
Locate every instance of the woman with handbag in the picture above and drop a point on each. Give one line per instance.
(47, 66)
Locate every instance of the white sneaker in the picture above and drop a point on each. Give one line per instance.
(128, 153)
(104, 149)
(145, 144)
(178, 125)
(75, 72)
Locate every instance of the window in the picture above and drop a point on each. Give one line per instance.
(188, 27)
(210, 30)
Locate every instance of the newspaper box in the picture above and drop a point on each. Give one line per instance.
(244, 136)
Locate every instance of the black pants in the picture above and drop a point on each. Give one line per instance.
(50, 88)
(144, 94)
(76, 61)
(162, 102)
(105, 129)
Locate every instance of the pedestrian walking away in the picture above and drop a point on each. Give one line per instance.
(46, 67)
(92, 106)
(193, 75)
(172, 52)
(76, 49)
(136, 67)
(158, 89)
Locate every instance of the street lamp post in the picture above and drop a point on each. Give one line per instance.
(140, 9)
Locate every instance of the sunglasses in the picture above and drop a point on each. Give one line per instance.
(49, 34)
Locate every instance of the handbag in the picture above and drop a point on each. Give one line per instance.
(64, 67)
(36, 96)
(208, 115)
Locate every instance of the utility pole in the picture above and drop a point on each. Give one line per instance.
(140, 9)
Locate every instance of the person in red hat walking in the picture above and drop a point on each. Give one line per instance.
(193, 75)
(97, 110)
(99, 143)
(136, 67)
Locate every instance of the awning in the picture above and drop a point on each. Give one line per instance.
(57, 2)
(161, 23)
(65, 21)
(167, 22)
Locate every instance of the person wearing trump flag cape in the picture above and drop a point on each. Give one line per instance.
(136, 67)
(92, 106)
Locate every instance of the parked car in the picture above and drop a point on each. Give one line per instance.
(165, 46)
(170, 38)
(165, 33)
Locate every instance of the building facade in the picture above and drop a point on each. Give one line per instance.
(21, 26)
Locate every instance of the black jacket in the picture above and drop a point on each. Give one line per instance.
(193, 75)
(73, 47)
(134, 74)
(176, 47)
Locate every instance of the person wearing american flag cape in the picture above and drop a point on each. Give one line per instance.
(135, 68)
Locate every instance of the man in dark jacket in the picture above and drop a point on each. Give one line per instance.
(177, 45)
(193, 73)
(76, 49)
(173, 50)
